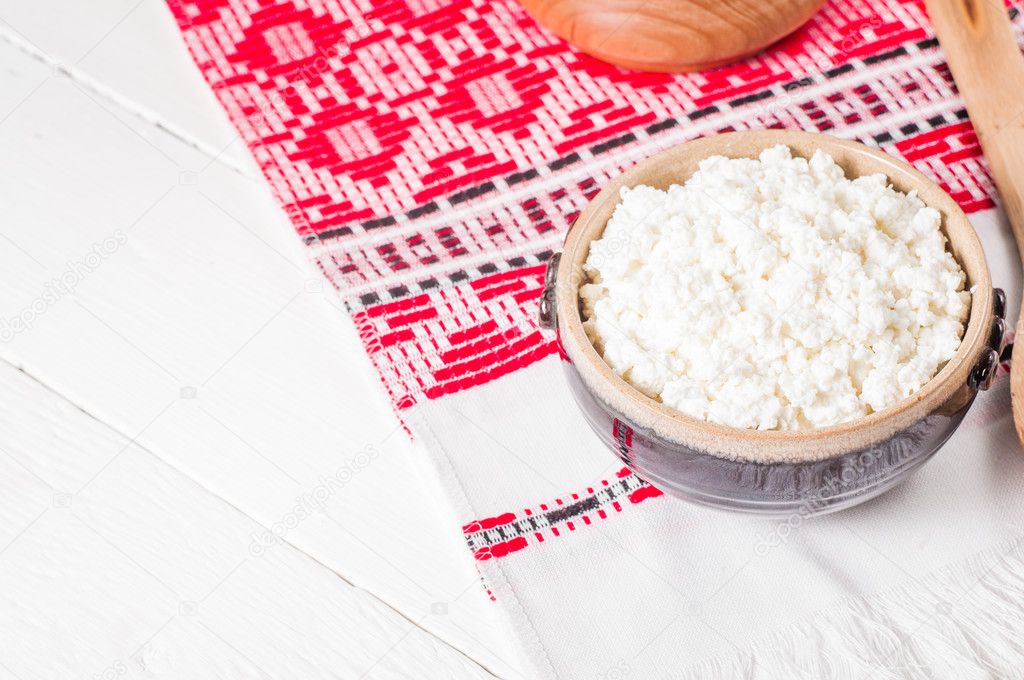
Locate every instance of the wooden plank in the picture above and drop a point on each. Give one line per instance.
(159, 82)
(200, 332)
(145, 572)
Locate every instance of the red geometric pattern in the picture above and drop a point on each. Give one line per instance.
(510, 532)
(456, 337)
(432, 154)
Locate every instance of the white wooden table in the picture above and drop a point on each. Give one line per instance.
(199, 475)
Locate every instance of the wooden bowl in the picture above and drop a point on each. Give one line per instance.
(671, 35)
(949, 392)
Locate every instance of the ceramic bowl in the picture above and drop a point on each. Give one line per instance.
(772, 471)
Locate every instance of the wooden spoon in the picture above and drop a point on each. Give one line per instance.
(989, 71)
(671, 35)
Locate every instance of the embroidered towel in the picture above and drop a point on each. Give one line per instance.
(431, 154)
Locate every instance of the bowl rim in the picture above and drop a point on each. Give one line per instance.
(944, 392)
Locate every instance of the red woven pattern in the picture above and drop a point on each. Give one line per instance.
(510, 532)
(433, 153)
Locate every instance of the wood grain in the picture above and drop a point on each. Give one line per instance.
(671, 35)
(204, 268)
(146, 574)
(989, 71)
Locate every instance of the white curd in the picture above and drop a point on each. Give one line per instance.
(774, 293)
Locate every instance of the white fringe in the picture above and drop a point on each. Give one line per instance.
(962, 623)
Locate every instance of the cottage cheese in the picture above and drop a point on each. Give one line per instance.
(774, 293)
